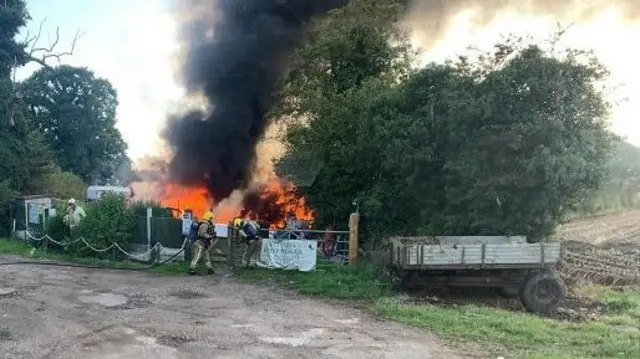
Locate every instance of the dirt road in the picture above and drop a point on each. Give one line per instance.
(53, 312)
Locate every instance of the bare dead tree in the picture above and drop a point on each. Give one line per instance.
(34, 52)
(41, 54)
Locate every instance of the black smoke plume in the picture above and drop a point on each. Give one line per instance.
(234, 53)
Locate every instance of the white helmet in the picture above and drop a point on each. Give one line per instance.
(72, 201)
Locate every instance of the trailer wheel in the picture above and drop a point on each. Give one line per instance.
(542, 292)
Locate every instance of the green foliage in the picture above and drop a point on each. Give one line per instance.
(505, 143)
(622, 189)
(23, 154)
(108, 221)
(23, 157)
(355, 43)
(56, 228)
(13, 16)
(7, 194)
(139, 208)
(61, 184)
(76, 112)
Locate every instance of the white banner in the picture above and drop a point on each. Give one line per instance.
(288, 254)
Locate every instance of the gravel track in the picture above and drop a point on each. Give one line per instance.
(74, 313)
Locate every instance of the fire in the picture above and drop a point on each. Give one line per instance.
(194, 198)
(282, 194)
(271, 203)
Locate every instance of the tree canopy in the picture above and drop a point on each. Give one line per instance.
(505, 142)
(60, 117)
(76, 112)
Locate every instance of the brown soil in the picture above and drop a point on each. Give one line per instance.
(616, 231)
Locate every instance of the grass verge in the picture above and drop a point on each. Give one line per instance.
(519, 334)
(331, 281)
(17, 247)
(501, 332)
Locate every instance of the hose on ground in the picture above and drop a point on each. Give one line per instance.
(74, 265)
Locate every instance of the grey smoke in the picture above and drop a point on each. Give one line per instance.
(431, 17)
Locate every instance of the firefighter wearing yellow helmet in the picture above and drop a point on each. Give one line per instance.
(249, 230)
(204, 241)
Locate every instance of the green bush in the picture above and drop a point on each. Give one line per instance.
(6, 196)
(139, 208)
(108, 221)
(56, 228)
(61, 184)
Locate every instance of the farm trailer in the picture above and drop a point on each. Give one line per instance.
(517, 268)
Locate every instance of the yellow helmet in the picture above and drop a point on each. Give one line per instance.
(207, 216)
(237, 222)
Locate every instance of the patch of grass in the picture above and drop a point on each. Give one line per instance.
(521, 334)
(8, 246)
(626, 303)
(332, 281)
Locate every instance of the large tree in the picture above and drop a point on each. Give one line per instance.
(76, 112)
(23, 156)
(343, 52)
(505, 143)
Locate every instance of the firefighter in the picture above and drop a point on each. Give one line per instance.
(205, 240)
(74, 215)
(250, 232)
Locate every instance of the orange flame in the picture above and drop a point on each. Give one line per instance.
(284, 197)
(193, 198)
(280, 194)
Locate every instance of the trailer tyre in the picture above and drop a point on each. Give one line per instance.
(542, 292)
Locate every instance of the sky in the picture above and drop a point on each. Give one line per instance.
(612, 39)
(132, 44)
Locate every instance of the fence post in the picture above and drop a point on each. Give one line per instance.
(354, 219)
(149, 213)
(231, 233)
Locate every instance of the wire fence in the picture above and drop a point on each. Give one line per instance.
(158, 249)
(332, 246)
